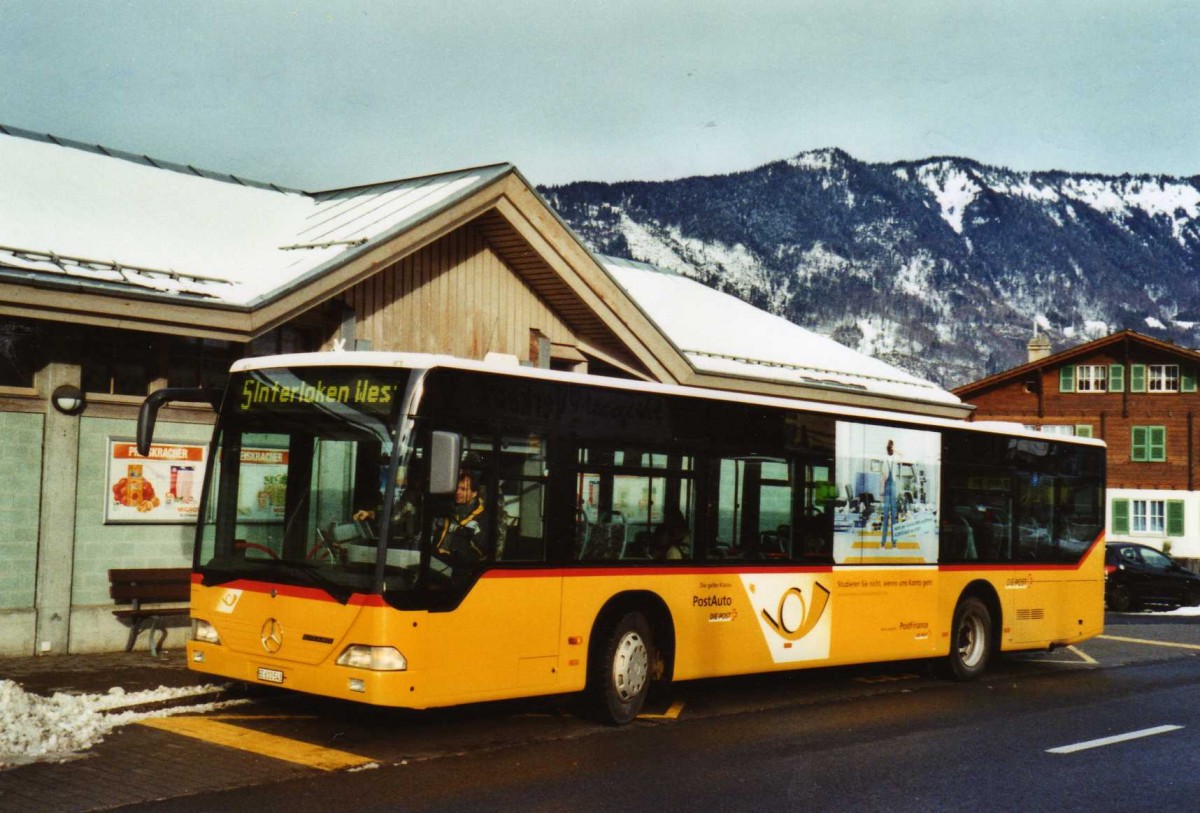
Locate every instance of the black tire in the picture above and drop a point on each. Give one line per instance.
(619, 676)
(971, 641)
(1191, 596)
(1119, 599)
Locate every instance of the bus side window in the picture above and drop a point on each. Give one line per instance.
(754, 509)
(520, 535)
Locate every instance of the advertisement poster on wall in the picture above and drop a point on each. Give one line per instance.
(164, 486)
(262, 485)
(888, 484)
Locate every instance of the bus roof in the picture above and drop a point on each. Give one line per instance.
(510, 365)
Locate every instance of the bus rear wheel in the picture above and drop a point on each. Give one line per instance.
(620, 675)
(970, 640)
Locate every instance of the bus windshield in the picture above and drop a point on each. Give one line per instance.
(307, 458)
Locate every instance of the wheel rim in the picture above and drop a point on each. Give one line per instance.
(631, 665)
(972, 640)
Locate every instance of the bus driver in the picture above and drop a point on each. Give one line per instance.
(462, 538)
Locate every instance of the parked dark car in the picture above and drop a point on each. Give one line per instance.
(1139, 575)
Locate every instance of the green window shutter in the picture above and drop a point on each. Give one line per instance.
(1120, 516)
(1137, 378)
(1174, 517)
(1066, 378)
(1187, 379)
(1157, 443)
(1116, 378)
(1083, 430)
(1138, 443)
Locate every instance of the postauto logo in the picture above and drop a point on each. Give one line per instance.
(794, 614)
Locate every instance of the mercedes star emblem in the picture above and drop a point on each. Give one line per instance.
(271, 635)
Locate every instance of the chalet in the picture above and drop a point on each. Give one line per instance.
(121, 274)
(1140, 396)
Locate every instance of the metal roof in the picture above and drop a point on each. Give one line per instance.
(80, 215)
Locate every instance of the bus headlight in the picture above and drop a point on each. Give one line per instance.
(204, 631)
(376, 658)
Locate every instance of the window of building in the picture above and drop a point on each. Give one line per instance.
(1162, 377)
(1149, 516)
(1148, 444)
(120, 363)
(1058, 429)
(20, 343)
(1091, 378)
(200, 362)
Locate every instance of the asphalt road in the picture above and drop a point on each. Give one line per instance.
(1111, 725)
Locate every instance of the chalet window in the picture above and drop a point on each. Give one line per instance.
(1083, 430)
(1066, 378)
(1116, 378)
(1174, 517)
(1058, 429)
(1148, 444)
(1137, 378)
(1187, 379)
(1091, 378)
(1120, 516)
(1149, 516)
(1163, 377)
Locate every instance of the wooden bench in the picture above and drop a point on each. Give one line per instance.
(154, 586)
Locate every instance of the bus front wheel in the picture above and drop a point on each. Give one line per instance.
(970, 640)
(620, 676)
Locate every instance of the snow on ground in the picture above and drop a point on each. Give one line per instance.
(57, 728)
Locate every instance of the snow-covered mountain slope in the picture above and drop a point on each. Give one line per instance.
(941, 266)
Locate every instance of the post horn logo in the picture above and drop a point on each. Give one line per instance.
(810, 614)
(271, 635)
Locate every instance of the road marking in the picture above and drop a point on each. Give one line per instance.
(1148, 642)
(1132, 735)
(670, 714)
(269, 745)
(1084, 658)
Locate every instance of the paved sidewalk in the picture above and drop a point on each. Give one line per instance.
(97, 673)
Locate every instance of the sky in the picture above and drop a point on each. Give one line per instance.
(320, 95)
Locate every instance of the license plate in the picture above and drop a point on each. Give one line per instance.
(270, 675)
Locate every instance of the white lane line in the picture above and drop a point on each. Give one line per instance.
(1132, 735)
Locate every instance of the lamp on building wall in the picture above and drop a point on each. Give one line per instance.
(68, 399)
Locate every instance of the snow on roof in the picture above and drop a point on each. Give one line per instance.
(89, 217)
(722, 335)
(97, 218)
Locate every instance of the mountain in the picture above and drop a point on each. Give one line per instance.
(941, 267)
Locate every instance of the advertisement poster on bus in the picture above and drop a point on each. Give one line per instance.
(887, 481)
(262, 486)
(163, 486)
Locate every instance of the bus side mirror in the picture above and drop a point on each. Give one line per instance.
(148, 414)
(445, 456)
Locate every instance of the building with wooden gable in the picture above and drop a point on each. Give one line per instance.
(121, 274)
(1139, 395)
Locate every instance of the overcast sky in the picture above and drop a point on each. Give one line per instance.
(321, 95)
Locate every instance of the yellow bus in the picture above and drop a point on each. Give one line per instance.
(421, 531)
